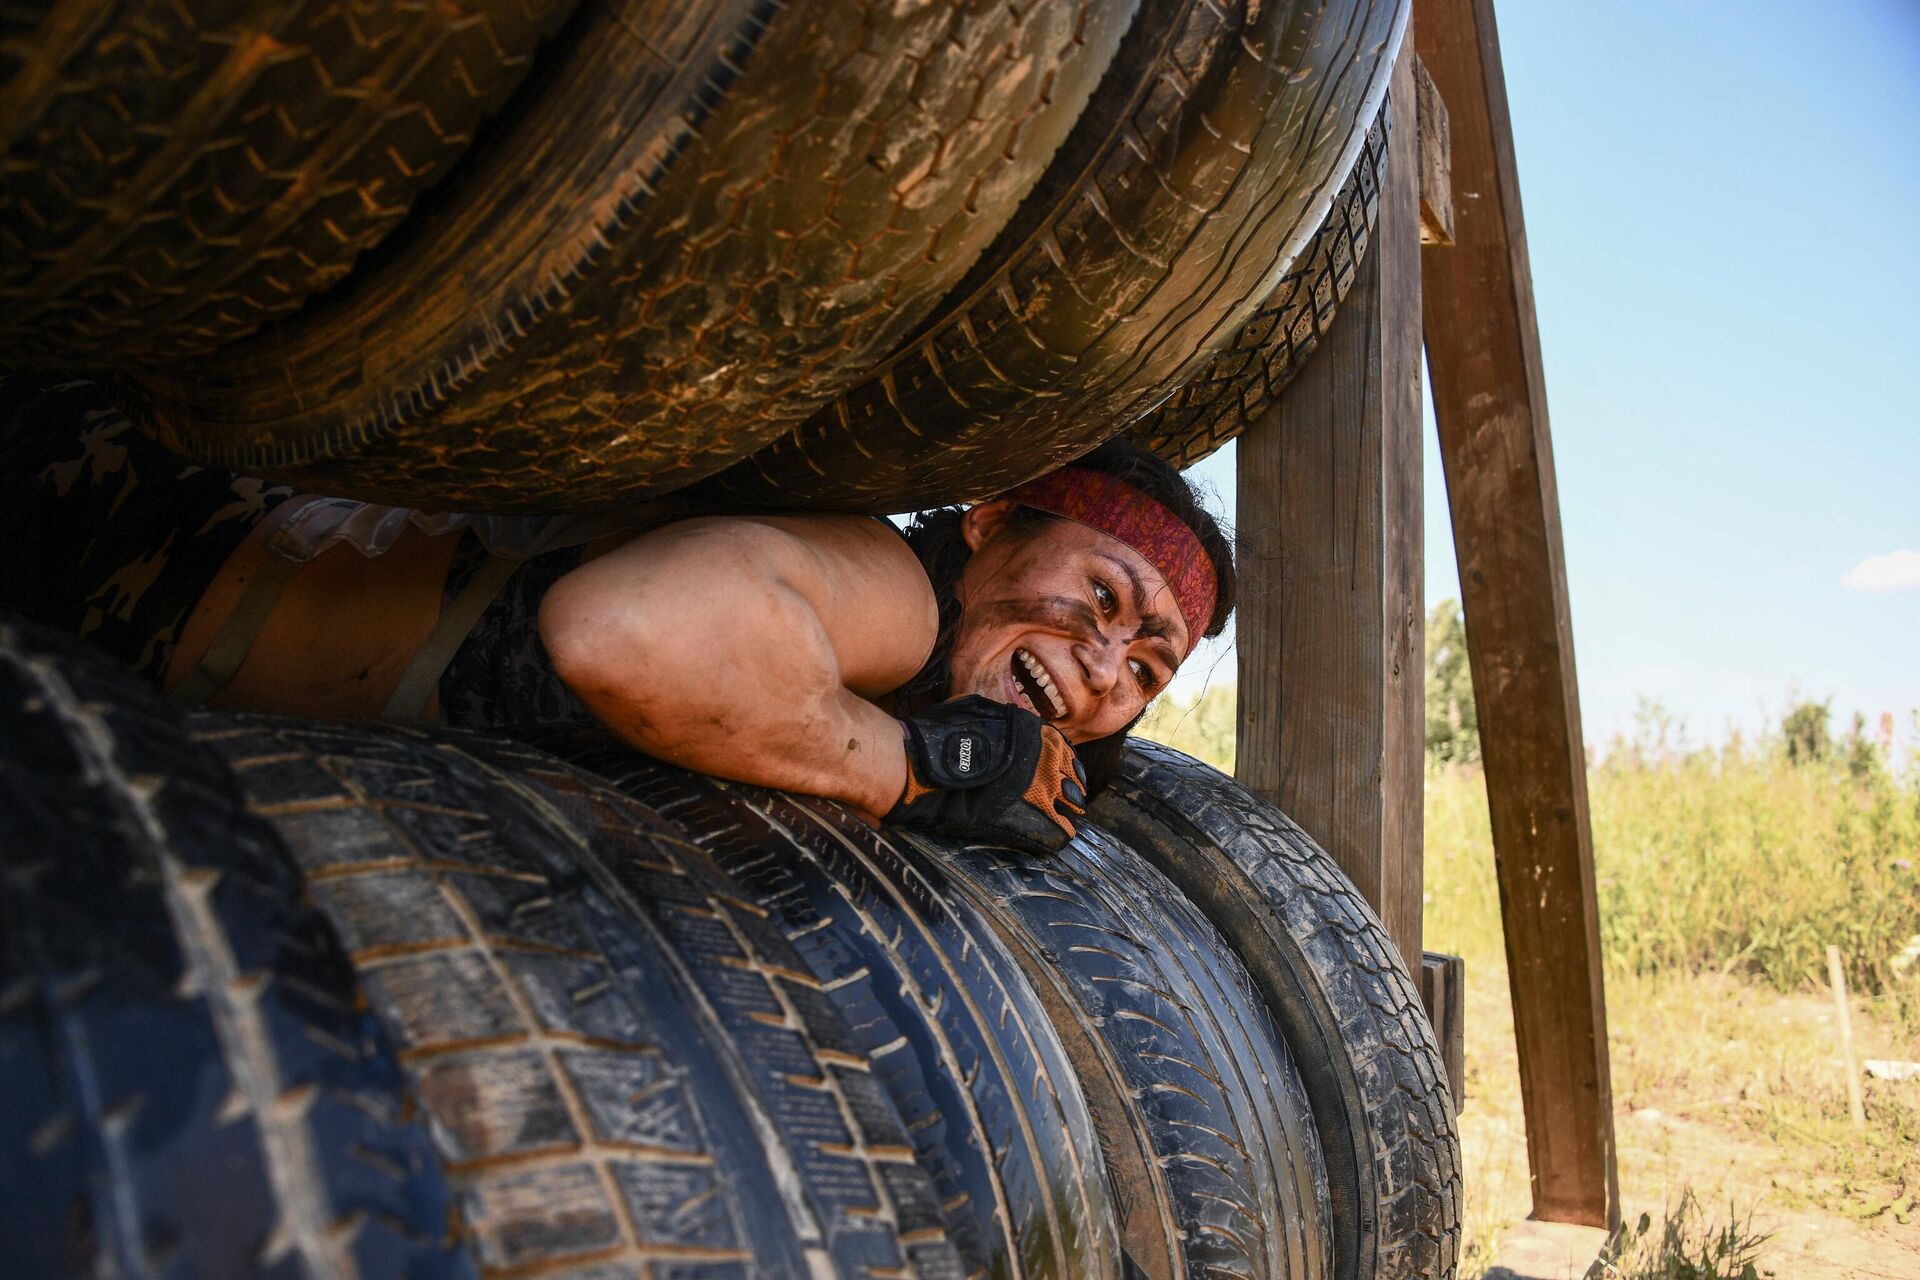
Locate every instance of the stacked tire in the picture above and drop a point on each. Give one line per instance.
(279, 996)
(517, 255)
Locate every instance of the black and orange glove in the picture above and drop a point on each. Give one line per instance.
(992, 771)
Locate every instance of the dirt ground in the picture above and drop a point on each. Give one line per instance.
(1737, 1094)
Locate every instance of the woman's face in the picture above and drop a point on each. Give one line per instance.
(1065, 621)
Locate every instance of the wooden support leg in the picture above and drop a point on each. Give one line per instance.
(1331, 722)
(1483, 352)
(1443, 990)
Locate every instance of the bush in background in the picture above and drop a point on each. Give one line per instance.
(1453, 726)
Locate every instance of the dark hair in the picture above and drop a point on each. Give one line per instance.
(936, 539)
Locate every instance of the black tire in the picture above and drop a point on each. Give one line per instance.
(622, 1059)
(1231, 393)
(179, 174)
(957, 1037)
(1339, 992)
(693, 228)
(1210, 154)
(192, 1089)
(1207, 1130)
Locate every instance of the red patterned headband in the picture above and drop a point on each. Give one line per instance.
(1117, 509)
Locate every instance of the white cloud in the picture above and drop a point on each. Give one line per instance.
(1894, 571)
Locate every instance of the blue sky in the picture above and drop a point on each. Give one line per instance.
(1723, 212)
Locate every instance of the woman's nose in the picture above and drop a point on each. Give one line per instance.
(1100, 660)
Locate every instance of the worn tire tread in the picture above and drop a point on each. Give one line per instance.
(177, 176)
(956, 1036)
(1342, 997)
(1268, 352)
(1152, 240)
(1200, 1079)
(622, 1060)
(193, 1089)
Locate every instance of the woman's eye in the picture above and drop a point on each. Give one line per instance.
(1104, 597)
(1143, 674)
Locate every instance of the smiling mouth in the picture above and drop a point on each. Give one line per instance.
(1033, 681)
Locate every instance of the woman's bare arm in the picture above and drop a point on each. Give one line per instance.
(747, 648)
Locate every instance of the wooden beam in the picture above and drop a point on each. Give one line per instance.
(1490, 400)
(1443, 990)
(1436, 159)
(1331, 718)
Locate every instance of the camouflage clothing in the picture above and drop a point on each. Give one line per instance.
(501, 674)
(113, 538)
(107, 534)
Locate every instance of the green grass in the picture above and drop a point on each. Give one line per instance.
(1687, 1243)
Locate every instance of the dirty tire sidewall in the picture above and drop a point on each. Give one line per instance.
(1339, 992)
(1207, 1128)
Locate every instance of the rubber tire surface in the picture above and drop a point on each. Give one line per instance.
(192, 1088)
(1209, 155)
(623, 1061)
(1232, 392)
(1202, 1113)
(179, 174)
(1337, 988)
(957, 1036)
(698, 224)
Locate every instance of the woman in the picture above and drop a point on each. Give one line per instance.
(945, 680)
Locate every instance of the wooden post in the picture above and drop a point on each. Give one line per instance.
(1837, 978)
(1489, 395)
(1443, 990)
(1331, 720)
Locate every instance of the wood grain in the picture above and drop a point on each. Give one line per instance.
(1489, 394)
(1436, 159)
(1443, 990)
(1330, 624)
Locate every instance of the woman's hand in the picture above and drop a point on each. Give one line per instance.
(988, 769)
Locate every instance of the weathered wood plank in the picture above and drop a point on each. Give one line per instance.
(1443, 990)
(1330, 621)
(1436, 159)
(1489, 394)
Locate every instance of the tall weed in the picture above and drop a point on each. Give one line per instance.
(1686, 1244)
(1749, 860)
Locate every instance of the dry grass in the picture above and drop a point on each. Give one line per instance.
(1722, 878)
(1723, 874)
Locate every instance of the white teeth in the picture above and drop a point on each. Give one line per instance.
(1045, 681)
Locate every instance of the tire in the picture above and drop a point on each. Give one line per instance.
(1234, 390)
(1202, 1114)
(179, 175)
(624, 1064)
(1209, 155)
(1339, 992)
(957, 1037)
(192, 1088)
(638, 278)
